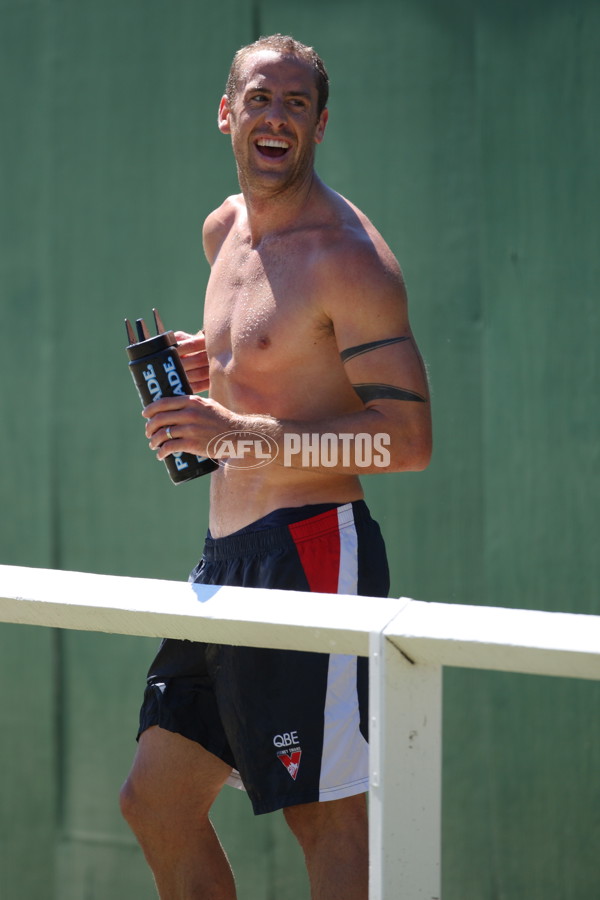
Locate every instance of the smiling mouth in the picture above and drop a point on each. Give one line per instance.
(273, 148)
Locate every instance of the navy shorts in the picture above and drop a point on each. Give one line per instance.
(292, 725)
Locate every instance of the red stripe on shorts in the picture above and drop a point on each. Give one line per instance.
(317, 542)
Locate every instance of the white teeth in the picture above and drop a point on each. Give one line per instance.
(271, 142)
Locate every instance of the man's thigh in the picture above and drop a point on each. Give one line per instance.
(175, 775)
(316, 822)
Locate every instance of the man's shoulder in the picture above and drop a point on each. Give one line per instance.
(349, 241)
(351, 268)
(357, 280)
(219, 223)
(354, 254)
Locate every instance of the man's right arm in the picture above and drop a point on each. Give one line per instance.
(217, 226)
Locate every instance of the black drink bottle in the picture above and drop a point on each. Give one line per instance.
(157, 371)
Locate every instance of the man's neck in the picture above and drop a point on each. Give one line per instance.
(272, 213)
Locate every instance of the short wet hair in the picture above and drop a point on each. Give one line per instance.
(288, 46)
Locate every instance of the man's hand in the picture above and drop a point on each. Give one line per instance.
(192, 350)
(185, 424)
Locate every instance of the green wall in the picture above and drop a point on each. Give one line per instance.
(469, 132)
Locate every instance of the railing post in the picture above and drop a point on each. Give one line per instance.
(405, 710)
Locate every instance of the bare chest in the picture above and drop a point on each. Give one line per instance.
(261, 309)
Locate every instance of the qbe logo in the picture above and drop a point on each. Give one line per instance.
(242, 449)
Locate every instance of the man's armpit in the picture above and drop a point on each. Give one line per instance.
(368, 392)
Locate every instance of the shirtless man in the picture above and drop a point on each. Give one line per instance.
(306, 333)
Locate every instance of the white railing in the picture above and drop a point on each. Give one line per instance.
(408, 642)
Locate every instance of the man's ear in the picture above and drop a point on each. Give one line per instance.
(223, 117)
(320, 132)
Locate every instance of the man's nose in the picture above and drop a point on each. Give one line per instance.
(276, 113)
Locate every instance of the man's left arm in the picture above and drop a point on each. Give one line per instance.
(369, 310)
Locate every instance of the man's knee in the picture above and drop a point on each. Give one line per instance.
(147, 787)
(126, 801)
(133, 803)
(172, 779)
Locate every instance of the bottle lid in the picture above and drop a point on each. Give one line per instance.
(146, 345)
(151, 345)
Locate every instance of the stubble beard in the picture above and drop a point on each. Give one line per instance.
(272, 184)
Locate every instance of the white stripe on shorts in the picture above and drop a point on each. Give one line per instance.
(345, 759)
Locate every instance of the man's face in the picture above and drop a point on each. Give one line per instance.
(273, 122)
